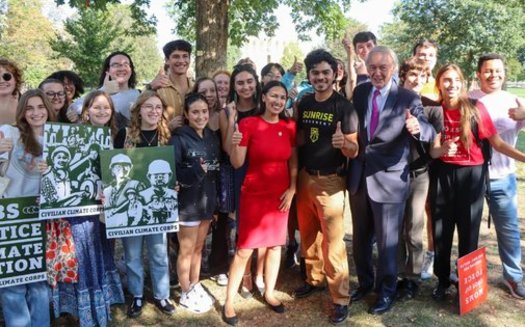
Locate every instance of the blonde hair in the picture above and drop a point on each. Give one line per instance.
(467, 110)
(134, 126)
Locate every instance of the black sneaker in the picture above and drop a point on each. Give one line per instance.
(135, 308)
(339, 314)
(165, 306)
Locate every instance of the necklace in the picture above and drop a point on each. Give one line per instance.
(150, 141)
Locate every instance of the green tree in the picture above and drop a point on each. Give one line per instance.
(24, 32)
(212, 22)
(93, 34)
(464, 29)
(335, 44)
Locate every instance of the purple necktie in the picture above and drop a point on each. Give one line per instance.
(374, 118)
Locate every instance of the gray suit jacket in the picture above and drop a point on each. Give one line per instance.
(383, 161)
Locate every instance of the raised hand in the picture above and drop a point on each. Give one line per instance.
(237, 136)
(338, 138)
(296, 66)
(518, 113)
(6, 144)
(110, 86)
(161, 80)
(411, 123)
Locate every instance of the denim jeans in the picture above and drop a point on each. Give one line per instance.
(26, 305)
(504, 209)
(156, 246)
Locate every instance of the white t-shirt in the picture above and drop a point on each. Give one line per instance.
(498, 105)
(22, 170)
(121, 100)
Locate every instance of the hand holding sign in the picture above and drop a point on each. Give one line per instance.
(338, 138)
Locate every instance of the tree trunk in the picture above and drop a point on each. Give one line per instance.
(212, 36)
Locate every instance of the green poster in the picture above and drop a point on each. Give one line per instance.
(139, 195)
(71, 185)
(22, 242)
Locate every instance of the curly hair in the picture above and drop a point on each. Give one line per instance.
(88, 102)
(134, 126)
(11, 67)
(27, 137)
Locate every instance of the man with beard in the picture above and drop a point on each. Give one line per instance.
(326, 135)
(503, 196)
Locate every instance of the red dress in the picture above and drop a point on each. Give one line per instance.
(261, 224)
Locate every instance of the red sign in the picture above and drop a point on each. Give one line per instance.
(473, 286)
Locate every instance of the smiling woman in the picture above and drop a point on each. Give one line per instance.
(10, 85)
(26, 304)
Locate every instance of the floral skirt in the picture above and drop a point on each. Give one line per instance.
(98, 284)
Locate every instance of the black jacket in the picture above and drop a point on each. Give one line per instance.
(198, 189)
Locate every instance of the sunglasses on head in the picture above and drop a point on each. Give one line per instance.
(7, 76)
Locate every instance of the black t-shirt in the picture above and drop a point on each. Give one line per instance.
(147, 138)
(318, 121)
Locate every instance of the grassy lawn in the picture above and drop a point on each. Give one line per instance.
(517, 91)
(499, 310)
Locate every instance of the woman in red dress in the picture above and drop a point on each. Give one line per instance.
(267, 140)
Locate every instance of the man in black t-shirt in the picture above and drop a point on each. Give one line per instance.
(326, 136)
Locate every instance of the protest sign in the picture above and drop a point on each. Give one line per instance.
(473, 286)
(22, 247)
(139, 195)
(71, 185)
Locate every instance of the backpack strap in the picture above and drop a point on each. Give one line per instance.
(486, 150)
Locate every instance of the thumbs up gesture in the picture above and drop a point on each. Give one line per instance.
(450, 147)
(109, 85)
(338, 138)
(518, 113)
(161, 80)
(237, 135)
(411, 123)
(296, 66)
(6, 144)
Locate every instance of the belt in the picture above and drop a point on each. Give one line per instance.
(418, 172)
(325, 172)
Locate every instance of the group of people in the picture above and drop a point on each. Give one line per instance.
(266, 158)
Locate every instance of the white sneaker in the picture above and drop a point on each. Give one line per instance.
(203, 294)
(427, 270)
(193, 302)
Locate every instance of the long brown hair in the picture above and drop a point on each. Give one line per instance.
(134, 126)
(88, 102)
(27, 137)
(467, 110)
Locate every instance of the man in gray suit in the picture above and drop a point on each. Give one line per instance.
(389, 116)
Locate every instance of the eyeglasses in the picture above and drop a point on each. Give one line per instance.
(60, 94)
(119, 65)
(7, 76)
(150, 108)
